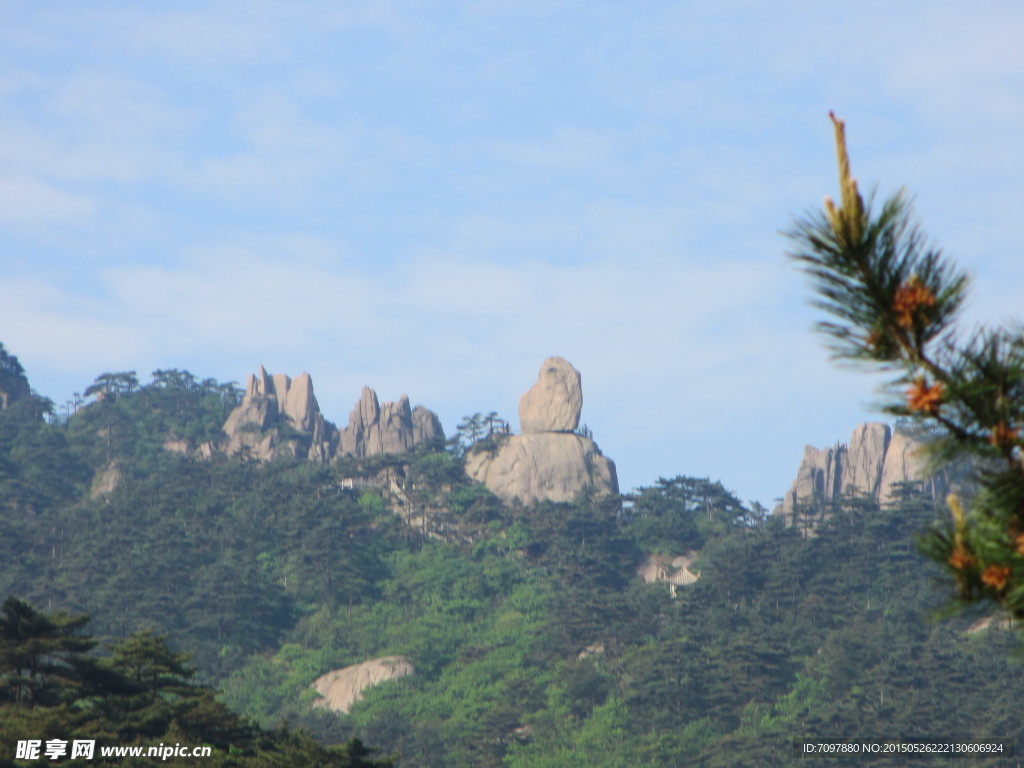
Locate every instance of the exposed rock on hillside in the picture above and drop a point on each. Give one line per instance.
(391, 428)
(278, 416)
(341, 688)
(548, 461)
(992, 621)
(175, 444)
(871, 463)
(106, 480)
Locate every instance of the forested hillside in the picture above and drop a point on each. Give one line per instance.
(534, 640)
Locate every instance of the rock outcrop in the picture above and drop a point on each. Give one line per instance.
(870, 464)
(553, 465)
(106, 480)
(280, 416)
(176, 444)
(548, 461)
(391, 428)
(341, 688)
(905, 461)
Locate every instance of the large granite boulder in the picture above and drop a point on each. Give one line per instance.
(279, 416)
(391, 428)
(554, 402)
(548, 461)
(341, 688)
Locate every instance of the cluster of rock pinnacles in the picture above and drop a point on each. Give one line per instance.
(549, 460)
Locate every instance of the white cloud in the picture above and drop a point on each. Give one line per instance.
(961, 55)
(223, 34)
(31, 202)
(119, 108)
(566, 149)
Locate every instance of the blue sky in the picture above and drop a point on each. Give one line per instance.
(431, 198)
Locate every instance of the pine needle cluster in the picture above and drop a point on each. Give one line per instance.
(894, 302)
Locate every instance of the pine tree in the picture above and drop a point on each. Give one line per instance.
(894, 300)
(13, 384)
(39, 653)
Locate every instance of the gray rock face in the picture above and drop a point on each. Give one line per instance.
(391, 428)
(870, 464)
(272, 410)
(862, 465)
(554, 402)
(548, 461)
(905, 461)
(425, 425)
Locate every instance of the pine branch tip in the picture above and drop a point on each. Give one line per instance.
(849, 221)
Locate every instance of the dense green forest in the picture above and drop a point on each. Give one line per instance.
(534, 640)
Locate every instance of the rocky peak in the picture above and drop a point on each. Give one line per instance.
(281, 416)
(294, 397)
(391, 428)
(272, 410)
(873, 461)
(548, 461)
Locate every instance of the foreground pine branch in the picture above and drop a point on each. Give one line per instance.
(894, 302)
